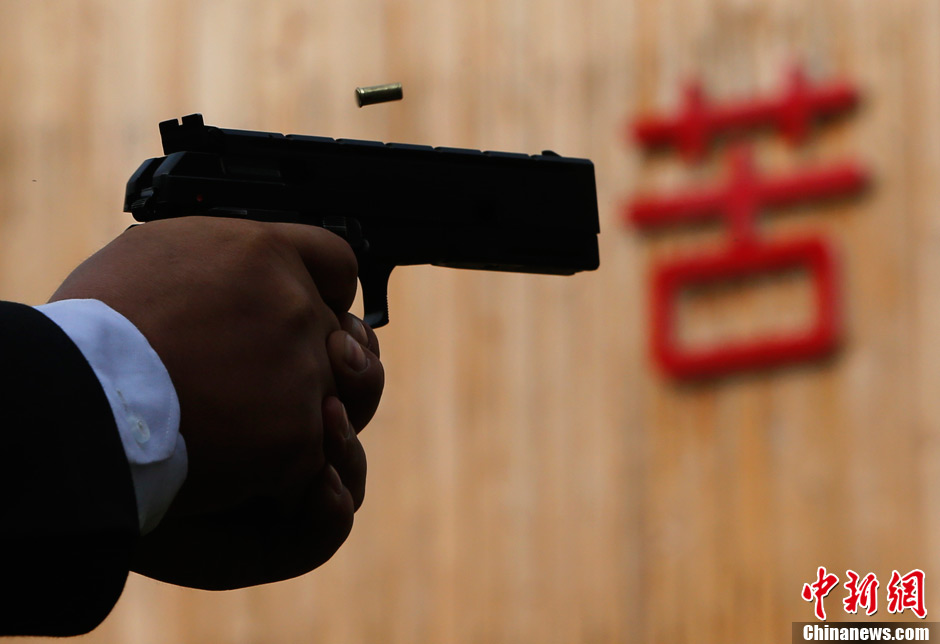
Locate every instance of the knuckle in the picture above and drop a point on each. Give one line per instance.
(261, 241)
(299, 310)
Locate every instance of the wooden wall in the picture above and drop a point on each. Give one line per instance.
(532, 477)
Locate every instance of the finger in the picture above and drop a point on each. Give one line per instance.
(330, 261)
(256, 543)
(359, 376)
(343, 449)
(331, 497)
(361, 331)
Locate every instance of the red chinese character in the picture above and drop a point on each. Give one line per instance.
(819, 589)
(738, 203)
(907, 592)
(862, 594)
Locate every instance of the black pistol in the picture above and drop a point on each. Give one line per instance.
(394, 203)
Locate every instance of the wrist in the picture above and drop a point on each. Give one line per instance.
(141, 395)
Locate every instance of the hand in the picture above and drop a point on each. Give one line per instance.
(248, 319)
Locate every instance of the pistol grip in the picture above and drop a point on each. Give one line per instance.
(374, 279)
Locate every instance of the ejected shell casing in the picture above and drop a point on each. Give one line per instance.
(378, 94)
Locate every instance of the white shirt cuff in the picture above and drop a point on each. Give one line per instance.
(142, 397)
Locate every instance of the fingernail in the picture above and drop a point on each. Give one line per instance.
(355, 356)
(335, 482)
(350, 430)
(359, 331)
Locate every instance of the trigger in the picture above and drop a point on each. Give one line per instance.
(374, 279)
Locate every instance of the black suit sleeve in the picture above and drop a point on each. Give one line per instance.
(68, 517)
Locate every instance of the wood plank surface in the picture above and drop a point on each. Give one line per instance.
(532, 477)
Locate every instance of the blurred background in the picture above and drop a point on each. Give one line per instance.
(533, 475)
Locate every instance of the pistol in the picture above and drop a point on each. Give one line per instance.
(395, 204)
